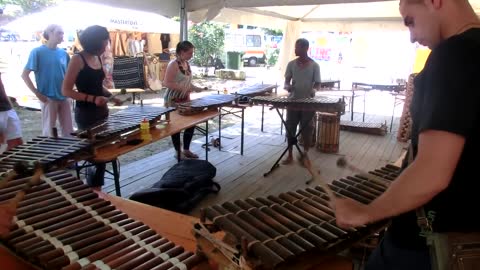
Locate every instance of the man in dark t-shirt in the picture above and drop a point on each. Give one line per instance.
(445, 140)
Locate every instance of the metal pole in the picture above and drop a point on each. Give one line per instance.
(183, 21)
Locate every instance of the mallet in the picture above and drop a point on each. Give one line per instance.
(343, 163)
(308, 164)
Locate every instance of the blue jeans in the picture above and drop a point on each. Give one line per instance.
(388, 256)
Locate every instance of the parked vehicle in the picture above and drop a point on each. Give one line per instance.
(250, 43)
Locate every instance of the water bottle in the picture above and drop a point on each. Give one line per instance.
(145, 130)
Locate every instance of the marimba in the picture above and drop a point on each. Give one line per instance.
(49, 152)
(318, 104)
(364, 127)
(314, 104)
(257, 90)
(290, 231)
(125, 121)
(204, 103)
(63, 224)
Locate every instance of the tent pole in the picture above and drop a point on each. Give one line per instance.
(183, 21)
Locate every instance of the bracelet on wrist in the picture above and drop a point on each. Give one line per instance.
(86, 98)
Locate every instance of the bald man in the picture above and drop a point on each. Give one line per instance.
(435, 185)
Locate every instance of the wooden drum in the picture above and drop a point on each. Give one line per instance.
(328, 132)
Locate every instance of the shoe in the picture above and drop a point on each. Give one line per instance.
(189, 154)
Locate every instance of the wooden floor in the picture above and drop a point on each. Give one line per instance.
(241, 176)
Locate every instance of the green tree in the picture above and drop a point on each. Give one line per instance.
(208, 38)
(29, 6)
(273, 32)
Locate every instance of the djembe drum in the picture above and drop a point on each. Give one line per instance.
(328, 132)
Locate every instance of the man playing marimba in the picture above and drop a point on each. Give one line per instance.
(302, 77)
(439, 188)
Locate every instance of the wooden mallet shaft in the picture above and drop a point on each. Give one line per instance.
(308, 164)
(343, 163)
(34, 180)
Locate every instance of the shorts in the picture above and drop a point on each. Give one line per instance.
(10, 125)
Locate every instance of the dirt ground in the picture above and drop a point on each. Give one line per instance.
(31, 119)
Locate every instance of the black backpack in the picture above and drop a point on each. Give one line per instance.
(182, 187)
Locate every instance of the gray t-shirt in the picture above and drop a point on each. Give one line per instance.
(303, 78)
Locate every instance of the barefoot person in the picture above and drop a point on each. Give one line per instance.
(302, 78)
(178, 80)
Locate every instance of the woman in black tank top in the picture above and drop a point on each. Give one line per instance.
(85, 71)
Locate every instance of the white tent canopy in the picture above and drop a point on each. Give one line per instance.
(73, 15)
(292, 16)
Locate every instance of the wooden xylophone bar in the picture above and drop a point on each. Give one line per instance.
(125, 121)
(205, 103)
(48, 151)
(288, 230)
(319, 104)
(210, 100)
(256, 90)
(63, 224)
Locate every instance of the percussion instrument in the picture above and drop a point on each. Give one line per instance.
(293, 230)
(124, 121)
(405, 127)
(319, 104)
(256, 90)
(63, 224)
(49, 152)
(382, 87)
(328, 132)
(205, 103)
(343, 163)
(364, 127)
(315, 104)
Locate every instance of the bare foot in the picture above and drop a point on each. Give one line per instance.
(302, 159)
(189, 154)
(287, 161)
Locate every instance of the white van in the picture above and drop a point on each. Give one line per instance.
(251, 43)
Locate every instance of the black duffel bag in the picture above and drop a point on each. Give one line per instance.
(182, 187)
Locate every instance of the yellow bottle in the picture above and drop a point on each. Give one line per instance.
(145, 130)
(225, 91)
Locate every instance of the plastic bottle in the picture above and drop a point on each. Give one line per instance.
(145, 130)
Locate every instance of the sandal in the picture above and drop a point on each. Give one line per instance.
(189, 154)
